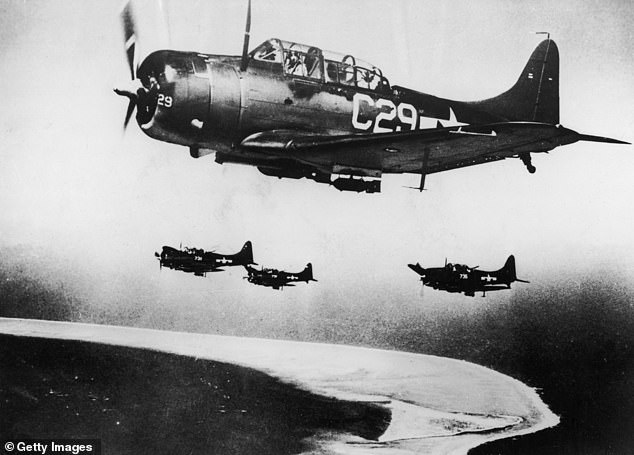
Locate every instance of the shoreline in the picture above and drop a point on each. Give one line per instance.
(438, 405)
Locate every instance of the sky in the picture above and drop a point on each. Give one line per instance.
(96, 202)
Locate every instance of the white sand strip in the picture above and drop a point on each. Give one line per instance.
(431, 397)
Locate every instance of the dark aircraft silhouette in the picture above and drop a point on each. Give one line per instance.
(277, 279)
(295, 111)
(199, 262)
(461, 278)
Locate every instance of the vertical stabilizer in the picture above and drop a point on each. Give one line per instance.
(307, 274)
(535, 95)
(509, 268)
(246, 254)
(509, 271)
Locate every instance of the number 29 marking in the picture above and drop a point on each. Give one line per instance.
(164, 100)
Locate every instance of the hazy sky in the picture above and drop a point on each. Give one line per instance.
(72, 183)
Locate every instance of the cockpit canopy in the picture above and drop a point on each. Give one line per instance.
(300, 60)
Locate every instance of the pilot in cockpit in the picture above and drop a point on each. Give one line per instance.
(294, 64)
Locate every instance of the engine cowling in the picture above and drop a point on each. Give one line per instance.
(188, 99)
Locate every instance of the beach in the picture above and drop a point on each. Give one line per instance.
(351, 399)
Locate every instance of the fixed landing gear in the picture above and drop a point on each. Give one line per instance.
(526, 159)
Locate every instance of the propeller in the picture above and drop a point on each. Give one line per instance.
(130, 37)
(158, 256)
(141, 91)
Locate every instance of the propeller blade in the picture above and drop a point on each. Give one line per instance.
(128, 114)
(164, 24)
(245, 46)
(129, 35)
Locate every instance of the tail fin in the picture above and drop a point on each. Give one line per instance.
(307, 274)
(246, 254)
(509, 270)
(535, 95)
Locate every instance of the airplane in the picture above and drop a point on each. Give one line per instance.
(199, 262)
(277, 279)
(461, 278)
(298, 111)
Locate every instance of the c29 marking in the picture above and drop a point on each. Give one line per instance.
(404, 114)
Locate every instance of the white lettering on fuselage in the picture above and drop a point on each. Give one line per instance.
(356, 102)
(391, 118)
(164, 100)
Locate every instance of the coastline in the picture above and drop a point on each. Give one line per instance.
(438, 405)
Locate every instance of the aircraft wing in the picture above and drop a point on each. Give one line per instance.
(492, 288)
(446, 148)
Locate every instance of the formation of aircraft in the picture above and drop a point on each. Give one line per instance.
(277, 279)
(200, 262)
(297, 111)
(469, 280)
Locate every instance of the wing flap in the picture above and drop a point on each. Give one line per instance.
(449, 148)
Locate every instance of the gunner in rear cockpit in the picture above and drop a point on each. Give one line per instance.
(294, 64)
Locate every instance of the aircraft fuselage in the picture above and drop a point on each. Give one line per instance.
(206, 103)
(296, 111)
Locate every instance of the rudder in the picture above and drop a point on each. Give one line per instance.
(535, 95)
(246, 254)
(307, 273)
(509, 268)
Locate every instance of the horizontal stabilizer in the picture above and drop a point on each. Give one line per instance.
(417, 268)
(589, 138)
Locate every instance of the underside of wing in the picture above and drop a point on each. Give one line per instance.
(422, 151)
(493, 288)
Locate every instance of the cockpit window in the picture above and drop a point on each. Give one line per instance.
(269, 51)
(330, 67)
(367, 78)
(302, 61)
